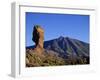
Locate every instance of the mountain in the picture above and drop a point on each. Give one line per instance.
(67, 46)
(72, 51)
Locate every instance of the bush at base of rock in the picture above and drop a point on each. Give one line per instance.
(50, 58)
(35, 60)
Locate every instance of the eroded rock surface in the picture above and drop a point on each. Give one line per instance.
(38, 38)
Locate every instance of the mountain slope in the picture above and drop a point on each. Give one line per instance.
(62, 51)
(66, 46)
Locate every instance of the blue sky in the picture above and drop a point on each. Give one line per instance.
(56, 25)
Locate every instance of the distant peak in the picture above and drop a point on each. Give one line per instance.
(61, 37)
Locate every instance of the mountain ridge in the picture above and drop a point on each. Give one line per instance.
(66, 45)
(60, 51)
(32, 46)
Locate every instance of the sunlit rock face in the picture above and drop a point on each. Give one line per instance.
(38, 38)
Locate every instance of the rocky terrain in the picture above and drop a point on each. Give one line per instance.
(59, 51)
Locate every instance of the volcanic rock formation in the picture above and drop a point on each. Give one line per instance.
(59, 51)
(38, 38)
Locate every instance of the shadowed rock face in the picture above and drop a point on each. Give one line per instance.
(38, 38)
